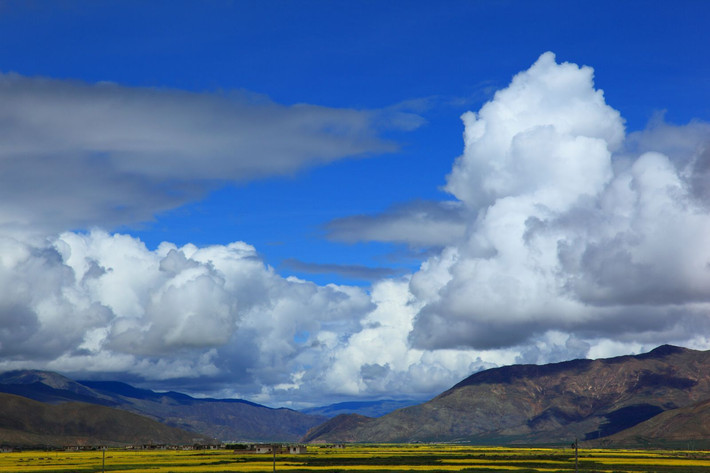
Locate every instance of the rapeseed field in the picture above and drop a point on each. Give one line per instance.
(361, 458)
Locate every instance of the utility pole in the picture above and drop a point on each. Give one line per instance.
(273, 450)
(575, 445)
(103, 459)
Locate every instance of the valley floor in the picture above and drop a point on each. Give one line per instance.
(361, 458)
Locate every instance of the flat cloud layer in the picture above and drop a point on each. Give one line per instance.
(74, 154)
(566, 239)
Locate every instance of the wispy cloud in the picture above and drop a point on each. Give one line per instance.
(417, 224)
(350, 271)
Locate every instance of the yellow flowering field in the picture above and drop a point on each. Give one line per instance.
(360, 458)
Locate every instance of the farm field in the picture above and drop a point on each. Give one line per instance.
(361, 458)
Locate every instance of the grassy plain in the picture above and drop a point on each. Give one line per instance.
(362, 458)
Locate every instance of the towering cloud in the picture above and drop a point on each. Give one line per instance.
(571, 229)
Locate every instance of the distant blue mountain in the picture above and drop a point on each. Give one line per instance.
(365, 408)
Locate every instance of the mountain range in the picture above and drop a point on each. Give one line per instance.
(661, 398)
(224, 419)
(28, 423)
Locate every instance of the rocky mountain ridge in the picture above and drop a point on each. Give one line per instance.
(529, 404)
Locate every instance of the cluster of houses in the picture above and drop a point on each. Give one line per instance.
(240, 449)
(265, 448)
(256, 448)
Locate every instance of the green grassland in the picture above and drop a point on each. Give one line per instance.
(362, 458)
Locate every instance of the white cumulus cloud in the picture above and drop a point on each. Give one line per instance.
(577, 230)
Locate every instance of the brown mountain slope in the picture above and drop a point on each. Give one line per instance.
(548, 403)
(24, 422)
(681, 428)
(338, 427)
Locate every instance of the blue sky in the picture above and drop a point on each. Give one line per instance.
(324, 135)
(450, 56)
